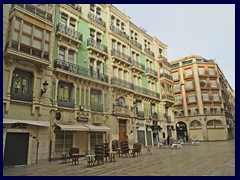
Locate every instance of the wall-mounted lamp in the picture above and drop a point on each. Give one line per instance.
(45, 84)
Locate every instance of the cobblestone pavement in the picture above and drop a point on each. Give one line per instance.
(205, 159)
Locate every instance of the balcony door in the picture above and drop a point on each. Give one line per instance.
(122, 130)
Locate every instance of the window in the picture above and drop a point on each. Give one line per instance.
(123, 49)
(176, 87)
(71, 56)
(188, 72)
(211, 71)
(64, 18)
(213, 83)
(195, 123)
(22, 85)
(72, 23)
(191, 98)
(91, 68)
(179, 112)
(63, 141)
(92, 34)
(178, 99)
(98, 69)
(121, 101)
(96, 100)
(95, 138)
(99, 38)
(92, 8)
(112, 20)
(64, 95)
(189, 85)
(203, 83)
(175, 75)
(113, 44)
(201, 71)
(118, 23)
(122, 26)
(98, 12)
(205, 96)
(62, 53)
(215, 97)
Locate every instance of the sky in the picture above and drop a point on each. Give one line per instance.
(207, 30)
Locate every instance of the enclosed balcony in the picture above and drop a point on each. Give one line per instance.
(165, 76)
(96, 19)
(69, 33)
(78, 70)
(99, 48)
(118, 56)
(120, 32)
(149, 52)
(21, 94)
(167, 97)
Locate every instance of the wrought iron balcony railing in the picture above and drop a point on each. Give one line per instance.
(69, 32)
(138, 65)
(21, 94)
(122, 83)
(149, 52)
(96, 107)
(146, 91)
(119, 31)
(80, 70)
(167, 97)
(101, 47)
(121, 55)
(151, 71)
(96, 19)
(134, 42)
(164, 75)
(140, 114)
(69, 103)
(76, 7)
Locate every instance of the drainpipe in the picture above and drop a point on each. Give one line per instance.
(37, 152)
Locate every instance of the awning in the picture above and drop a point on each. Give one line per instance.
(97, 128)
(72, 127)
(36, 123)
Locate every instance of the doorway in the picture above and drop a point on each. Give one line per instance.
(122, 130)
(181, 128)
(16, 149)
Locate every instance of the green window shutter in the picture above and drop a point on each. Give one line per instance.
(77, 98)
(82, 96)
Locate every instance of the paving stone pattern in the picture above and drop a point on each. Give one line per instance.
(205, 159)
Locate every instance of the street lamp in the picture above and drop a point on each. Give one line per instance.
(45, 84)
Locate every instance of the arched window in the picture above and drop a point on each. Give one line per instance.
(215, 123)
(195, 123)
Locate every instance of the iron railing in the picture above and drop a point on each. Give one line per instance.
(96, 19)
(122, 83)
(151, 71)
(120, 55)
(96, 107)
(149, 52)
(21, 94)
(69, 103)
(134, 42)
(138, 65)
(69, 31)
(146, 91)
(119, 31)
(91, 42)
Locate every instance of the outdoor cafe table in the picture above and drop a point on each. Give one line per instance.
(90, 160)
(75, 158)
(64, 157)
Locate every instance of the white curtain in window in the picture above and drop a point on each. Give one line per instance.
(26, 40)
(37, 44)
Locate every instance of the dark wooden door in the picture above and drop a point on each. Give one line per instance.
(122, 130)
(16, 149)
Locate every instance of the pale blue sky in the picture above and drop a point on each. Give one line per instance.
(207, 30)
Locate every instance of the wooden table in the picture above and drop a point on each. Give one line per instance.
(75, 158)
(90, 160)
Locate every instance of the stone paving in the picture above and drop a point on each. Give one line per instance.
(205, 159)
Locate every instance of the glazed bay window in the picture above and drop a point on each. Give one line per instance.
(215, 97)
(188, 72)
(189, 85)
(64, 95)
(71, 56)
(62, 53)
(178, 99)
(72, 23)
(201, 71)
(30, 39)
(213, 83)
(175, 76)
(176, 87)
(211, 71)
(191, 98)
(64, 18)
(205, 96)
(22, 85)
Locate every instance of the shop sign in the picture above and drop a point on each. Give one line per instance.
(82, 119)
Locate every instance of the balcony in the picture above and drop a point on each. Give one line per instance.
(204, 85)
(151, 72)
(149, 52)
(215, 99)
(214, 86)
(96, 19)
(96, 107)
(75, 7)
(97, 47)
(154, 116)
(35, 10)
(121, 57)
(165, 76)
(122, 111)
(138, 66)
(145, 91)
(161, 58)
(140, 114)
(167, 97)
(68, 103)
(135, 43)
(78, 70)
(121, 83)
(191, 101)
(69, 33)
(21, 94)
(168, 117)
(190, 88)
(119, 32)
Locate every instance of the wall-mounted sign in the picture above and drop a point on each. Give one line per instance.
(82, 119)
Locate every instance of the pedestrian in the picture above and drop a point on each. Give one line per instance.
(168, 139)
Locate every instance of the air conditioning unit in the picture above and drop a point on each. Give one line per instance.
(97, 119)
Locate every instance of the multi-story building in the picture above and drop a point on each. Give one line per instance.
(200, 108)
(78, 75)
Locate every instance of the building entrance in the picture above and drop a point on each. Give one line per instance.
(181, 128)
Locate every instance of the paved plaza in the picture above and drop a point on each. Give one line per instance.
(205, 159)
